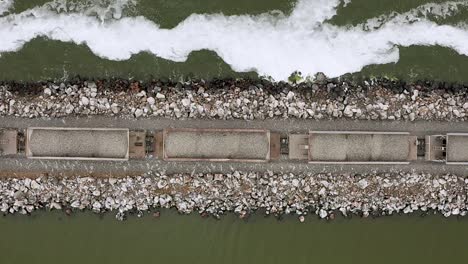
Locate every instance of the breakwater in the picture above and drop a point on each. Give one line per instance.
(243, 193)
(242, 99)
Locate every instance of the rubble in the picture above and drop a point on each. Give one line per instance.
(242, 193)
(241, 99)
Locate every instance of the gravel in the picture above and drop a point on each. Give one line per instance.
(243, 193)
(217, 145)
(79, 143)
(359, 147)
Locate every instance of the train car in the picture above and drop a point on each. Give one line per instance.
(451, 148)
(240, 145)
(84, 143)
(233, 145)
(8, 142)
(353, 147)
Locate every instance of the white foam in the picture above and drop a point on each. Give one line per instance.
(272, 45)
(102, 9)
(442, 10)
(5, 6)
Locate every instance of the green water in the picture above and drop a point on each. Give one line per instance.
(42, 59)
(86, 238)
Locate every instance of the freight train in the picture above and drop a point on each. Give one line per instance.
(235, 145)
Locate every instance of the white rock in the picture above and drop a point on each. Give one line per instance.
(35, 185)
(323, 213)
(138, 113)
(220, 112)
(362, 183)
(295, 183)
(415, 95)
(407, 210)
(47, 91)
(97, 206)
(348, 111)
(69, 109)
(451, 101)
(200, 109)
(185, 102)
(443, 193)
(92, 86)
(160, 96)
(54, 205)
(322, 191)
(161, 184)
(150, 100)
(115, 108)
(84, 100)
(75, 204)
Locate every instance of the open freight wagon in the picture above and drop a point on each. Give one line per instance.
(238, 145)
(8, 142)
(353, 147)
(84, 143)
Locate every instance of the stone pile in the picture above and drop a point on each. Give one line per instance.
(243, 193)
(239, 100)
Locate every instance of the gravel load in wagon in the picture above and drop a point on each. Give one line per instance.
(76, 143)
(361, 147)
(457, 148)
(8, 142)
(217, 144)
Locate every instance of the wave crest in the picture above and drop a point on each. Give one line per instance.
(272, 45)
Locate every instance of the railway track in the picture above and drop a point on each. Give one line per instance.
(219, 149)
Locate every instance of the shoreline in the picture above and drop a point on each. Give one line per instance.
(322, 99)
(319, 195)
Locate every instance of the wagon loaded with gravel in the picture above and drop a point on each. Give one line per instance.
(243, 145)
(8, 142)
(354, 147)
(84, 143)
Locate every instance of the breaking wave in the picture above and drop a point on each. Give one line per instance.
(272, 44)
(5, 6)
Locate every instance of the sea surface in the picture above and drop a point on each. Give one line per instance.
(178, 39)
(53, 237)
(181, 39)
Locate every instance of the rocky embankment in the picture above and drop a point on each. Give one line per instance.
(242, 193)
(242, 99)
